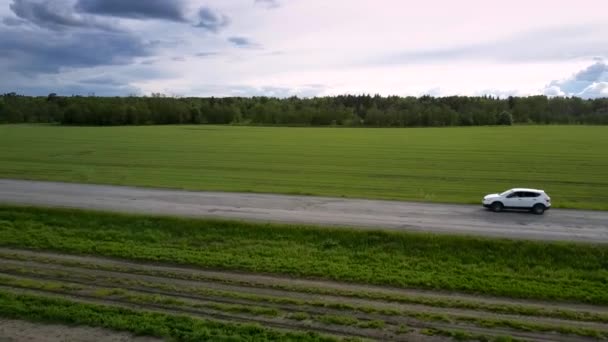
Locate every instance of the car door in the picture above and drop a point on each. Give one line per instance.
(532, 198)
(514, 200)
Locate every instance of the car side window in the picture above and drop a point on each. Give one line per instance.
(533, 194)
(513, 195)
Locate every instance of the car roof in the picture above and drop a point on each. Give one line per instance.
(526, 189)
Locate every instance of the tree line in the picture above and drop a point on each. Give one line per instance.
(345, 110)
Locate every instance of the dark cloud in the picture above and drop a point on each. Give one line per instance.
(42, 85)
(103, 80)
(268, 3)
(211, 20)
(38, 51)
(243, 42)
(10, 21)
(69, 89)
(172, 10)
(592, 82)
(52, 14)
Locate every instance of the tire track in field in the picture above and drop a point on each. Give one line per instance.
(86, 271)
(277, 299)
(344, 331)
(203, 314)
(268, 281)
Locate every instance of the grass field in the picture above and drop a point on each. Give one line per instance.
(422, 164)
(189, 280)
(173, 327)
(521, 269)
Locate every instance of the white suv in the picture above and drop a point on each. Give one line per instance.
(531, 199)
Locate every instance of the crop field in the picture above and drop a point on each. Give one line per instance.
(456, 165)
(190, 280)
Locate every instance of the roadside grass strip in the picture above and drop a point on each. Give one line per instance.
(497, 267)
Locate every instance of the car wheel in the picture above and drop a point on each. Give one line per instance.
(496, 207)
(538, 209)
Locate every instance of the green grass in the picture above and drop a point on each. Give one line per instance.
(517, 324)
(422, 164)
(173, 327)
(338, 320)
(515, 309)
(298, 316)
(523, 269)
(460, 335)
(333, 319)
(536, 327)
(50, 286)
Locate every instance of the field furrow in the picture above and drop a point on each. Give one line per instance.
(327, 307)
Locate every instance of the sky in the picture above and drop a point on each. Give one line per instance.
(304, 48)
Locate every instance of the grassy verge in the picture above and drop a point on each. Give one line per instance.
(422, 164)
(524, 269)
(182, 328)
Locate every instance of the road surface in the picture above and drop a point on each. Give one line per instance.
(556, 224)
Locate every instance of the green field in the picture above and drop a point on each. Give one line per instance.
(193, 279)
(456, 165)
(171, 327)
(522, 269)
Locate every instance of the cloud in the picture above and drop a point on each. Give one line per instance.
(211, 20)
(102, 80)
(172, 10)
(243, 42)
(500, 93)
(268, 3)
(555, 44)
(10, 21)
(206, 54)
(591, 82)
(38, 51)
(52, 14)
(72, 84)
(595, 90)
(233, 90)
(83, 89)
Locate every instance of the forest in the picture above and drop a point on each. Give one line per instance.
(344, 110)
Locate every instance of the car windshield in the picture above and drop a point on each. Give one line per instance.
(506, 193)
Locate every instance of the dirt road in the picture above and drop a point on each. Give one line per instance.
(556, 224)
